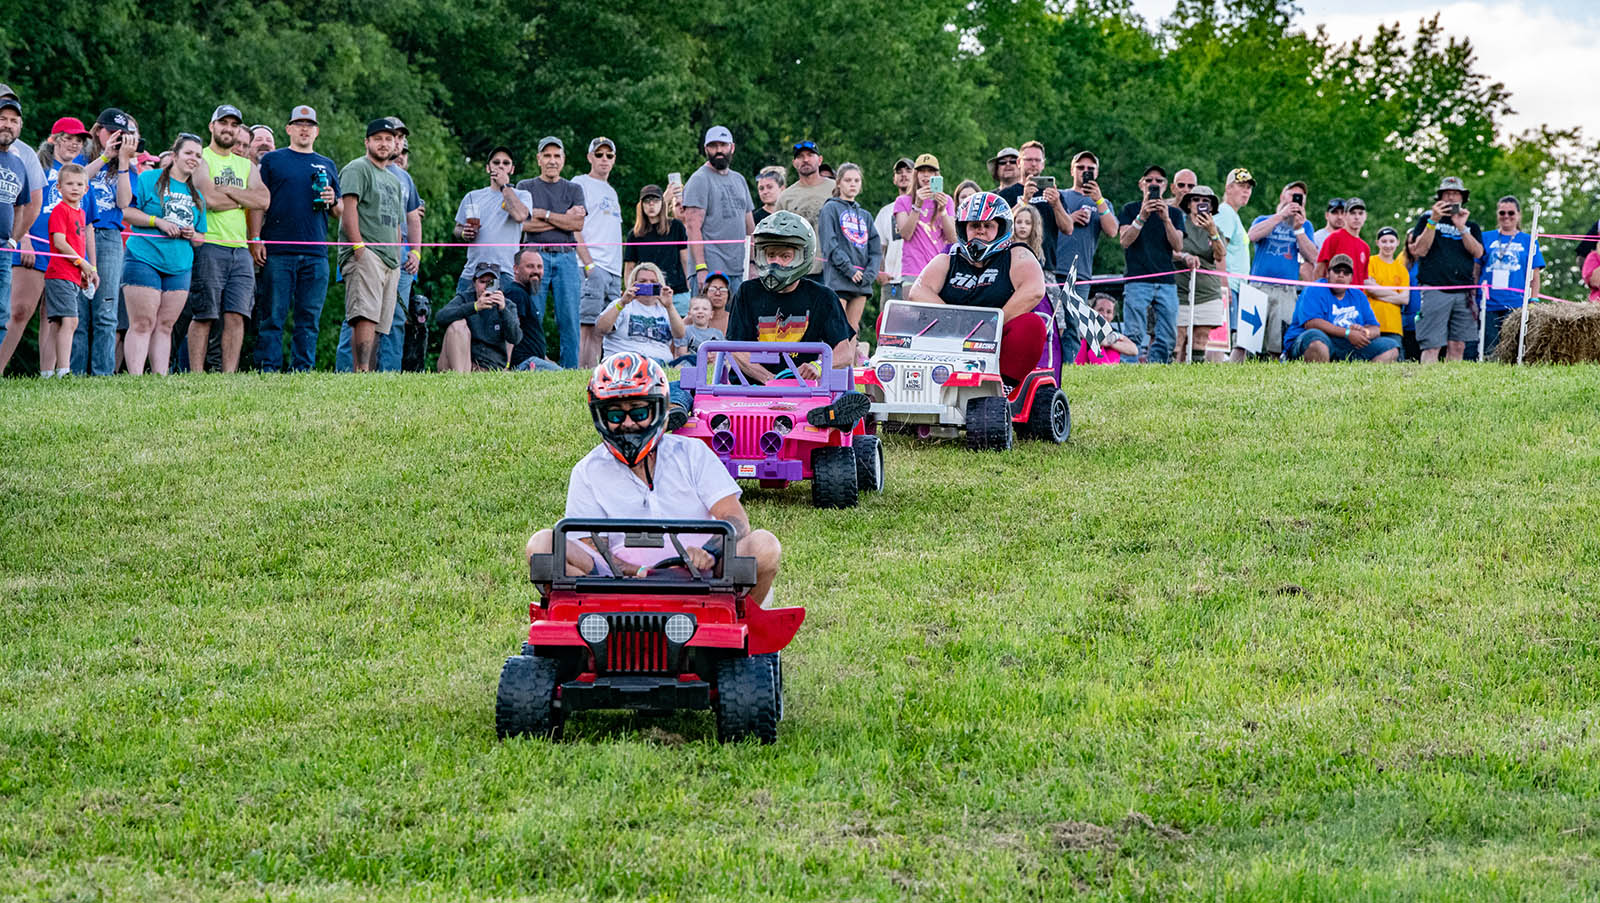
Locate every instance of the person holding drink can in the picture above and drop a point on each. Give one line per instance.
(491, 219)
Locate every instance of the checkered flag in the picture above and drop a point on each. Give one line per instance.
(1092, 327)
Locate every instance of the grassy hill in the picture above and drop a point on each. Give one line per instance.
(1256, 633)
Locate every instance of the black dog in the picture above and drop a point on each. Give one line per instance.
(418, 317)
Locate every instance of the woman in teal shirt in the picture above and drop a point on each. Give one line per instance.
(168, 221)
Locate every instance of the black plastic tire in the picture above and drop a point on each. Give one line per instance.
(1050, 419)
(833, 477)
(869, 463)
(775, 660)
(524, 705)
(747, 701)
(988, 423)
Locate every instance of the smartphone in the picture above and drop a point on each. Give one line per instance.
(936, 184)
(1202, 206)
(1088, 176)
(646, 289)
(1298, 198)
(1452, 210)
(674, 178)
(1043, 182)
(1154, 193)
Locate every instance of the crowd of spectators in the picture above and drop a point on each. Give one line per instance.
(203, 255)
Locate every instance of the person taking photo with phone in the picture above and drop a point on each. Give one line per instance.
(1151, 234)
(1284, 244)
(479, 325)
(1091, 215)
(1203, 249)
(1446, 245)
(643, 320)
(924, 219)
(1039, 190)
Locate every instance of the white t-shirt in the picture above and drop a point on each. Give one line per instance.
(891, 252)
(602, 226)
(641, 328)
(498, 233)
(689, 479)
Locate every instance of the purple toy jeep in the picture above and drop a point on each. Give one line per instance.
(762, 433)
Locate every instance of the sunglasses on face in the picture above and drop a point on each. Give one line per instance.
(1346, 271)
(1008, 161)
(605, 156)
(616, 416)
(1508, 213)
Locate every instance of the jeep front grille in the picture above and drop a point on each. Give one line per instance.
(637, 643)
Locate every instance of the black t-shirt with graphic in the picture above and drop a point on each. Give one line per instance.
(810, 313)
(1447, 261)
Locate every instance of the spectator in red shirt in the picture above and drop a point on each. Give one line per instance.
(1347, 240)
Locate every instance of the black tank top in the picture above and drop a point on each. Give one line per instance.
(985, 286)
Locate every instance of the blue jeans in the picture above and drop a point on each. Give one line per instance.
(1139, 300)
(5, 292)
(298, 282)
(391, 347)
(98, 353)
(563, 278)
(1340, 348)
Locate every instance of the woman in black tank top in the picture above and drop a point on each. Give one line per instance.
(985, 269)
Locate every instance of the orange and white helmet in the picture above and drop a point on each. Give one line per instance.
(623, 377)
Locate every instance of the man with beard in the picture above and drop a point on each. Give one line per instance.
(374, 209)
(527, 272)
(262, 142)
(223, 284)
(810, 191)
(717, 207)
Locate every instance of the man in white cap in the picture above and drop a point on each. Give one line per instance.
(717, 207)
(601, 250)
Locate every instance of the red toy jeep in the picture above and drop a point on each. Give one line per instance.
(676, 638)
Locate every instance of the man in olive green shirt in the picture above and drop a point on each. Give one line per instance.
(374, 210)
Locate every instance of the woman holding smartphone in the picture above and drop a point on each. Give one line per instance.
(643, 320)
(1203, 248)
(168, 220)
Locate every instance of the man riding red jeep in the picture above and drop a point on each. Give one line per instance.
(639, 470)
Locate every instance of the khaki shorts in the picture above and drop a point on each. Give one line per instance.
(1280, 313)
(370, 288)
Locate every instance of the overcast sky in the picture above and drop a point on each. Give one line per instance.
(1544, 51)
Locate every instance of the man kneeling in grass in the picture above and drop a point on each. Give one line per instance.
(1333, 321)
(641, 471)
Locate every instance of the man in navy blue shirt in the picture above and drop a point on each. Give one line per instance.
(1333, 321)
(305, 191)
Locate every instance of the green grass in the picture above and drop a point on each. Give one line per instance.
(1257, 633)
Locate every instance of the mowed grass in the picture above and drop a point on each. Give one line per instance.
(1256, 633)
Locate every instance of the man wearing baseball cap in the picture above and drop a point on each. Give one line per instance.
(20, 194)
(372, 222)
(1334, 322)
(717, 207)
(1333, 221)
(902, 174)
(1091, 214)
(1236, 191)
(1151, 234)
(556, 221)
(304, 186)
(810, 189)
(601, 251)
(1446, 245)
(223, 285)
(1004, 168)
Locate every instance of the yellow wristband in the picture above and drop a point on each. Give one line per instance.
(699, 266)
(358, 246)
(415, 253)
(152, 223)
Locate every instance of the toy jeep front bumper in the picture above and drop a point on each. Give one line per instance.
(636, 692)
(943, 414)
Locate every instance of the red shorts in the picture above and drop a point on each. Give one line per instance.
(1022, 344)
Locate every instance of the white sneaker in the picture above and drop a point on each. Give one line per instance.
(46, 374)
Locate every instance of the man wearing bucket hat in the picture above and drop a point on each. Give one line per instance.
(1446, 245)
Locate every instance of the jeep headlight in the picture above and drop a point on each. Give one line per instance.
(594, 629)
(679, 629)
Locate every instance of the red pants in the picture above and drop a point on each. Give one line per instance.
(1021, 345)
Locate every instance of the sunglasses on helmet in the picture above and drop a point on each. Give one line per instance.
(615, 416)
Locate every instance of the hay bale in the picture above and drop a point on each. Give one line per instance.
(1559, 332)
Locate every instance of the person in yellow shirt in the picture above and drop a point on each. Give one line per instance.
(1389, 281)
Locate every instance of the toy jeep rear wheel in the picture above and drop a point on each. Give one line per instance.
(524, 705)
(747, 700)
(1049, 420)
(869, 463)
(775, 660)
(833, 477)
(988, 423)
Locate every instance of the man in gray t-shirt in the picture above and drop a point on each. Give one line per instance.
(1091, 216)
(717, 207)
(556, 213)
